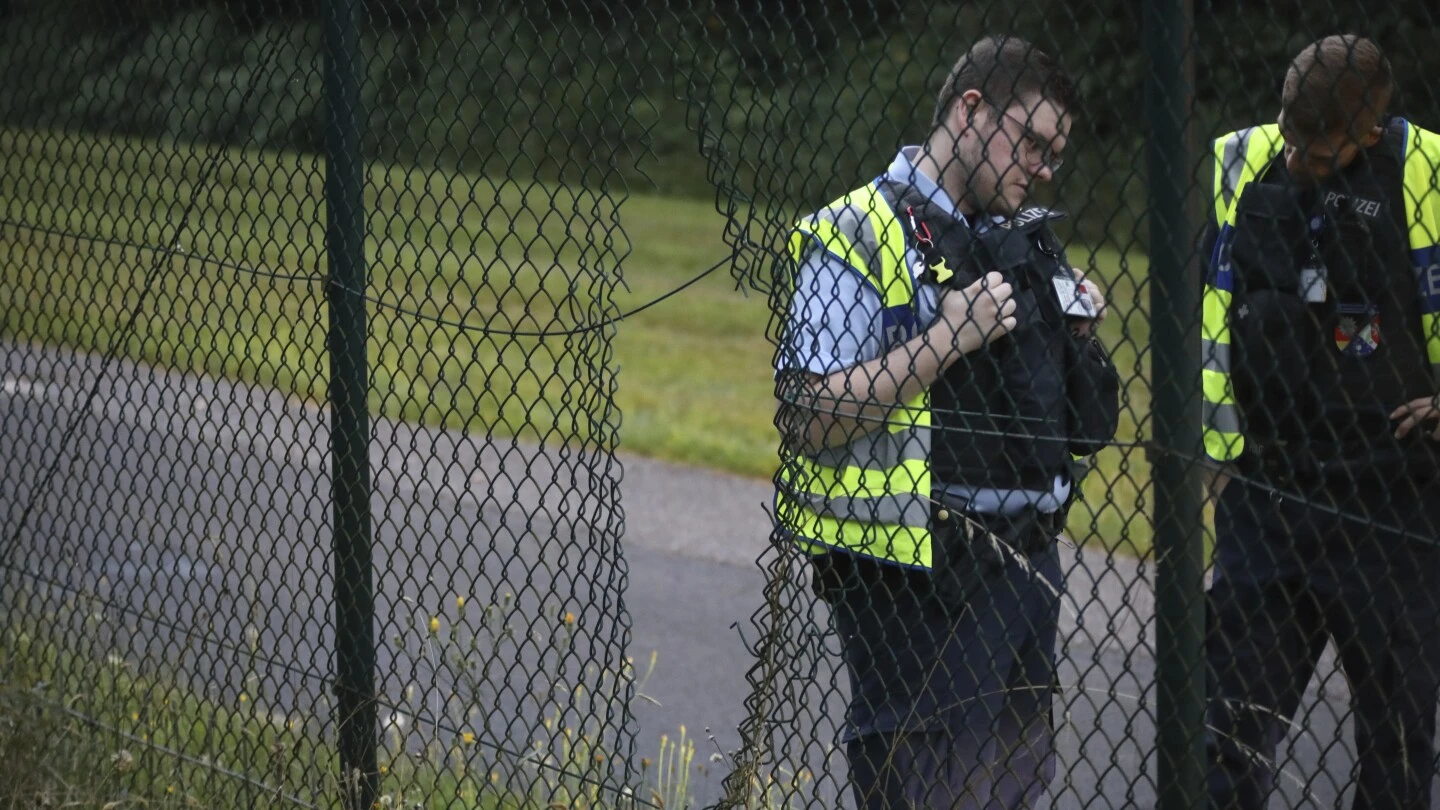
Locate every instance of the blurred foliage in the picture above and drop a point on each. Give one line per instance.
(776, 104)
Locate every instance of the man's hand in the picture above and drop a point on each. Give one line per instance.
(1412, 413)
(1090, 288)
(978, 314)
(853, 401)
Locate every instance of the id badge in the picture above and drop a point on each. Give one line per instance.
(1312, 284)
(1075, 302)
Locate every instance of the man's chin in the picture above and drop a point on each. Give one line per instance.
(1005, 207)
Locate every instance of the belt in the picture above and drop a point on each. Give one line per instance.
(966, 551)
(1028, 531)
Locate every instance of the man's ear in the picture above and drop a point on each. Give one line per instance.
(967, 103)
(1373, 137)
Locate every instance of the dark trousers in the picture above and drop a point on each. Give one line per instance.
(951, 706)
(1290, 578)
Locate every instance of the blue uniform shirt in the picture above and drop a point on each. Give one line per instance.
(836, 321)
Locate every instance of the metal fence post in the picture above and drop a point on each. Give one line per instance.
(350, 424)
(1179, 574)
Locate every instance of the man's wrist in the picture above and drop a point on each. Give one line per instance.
(944, 339)
(1216, 475)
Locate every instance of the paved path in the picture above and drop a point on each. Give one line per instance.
(204, 503)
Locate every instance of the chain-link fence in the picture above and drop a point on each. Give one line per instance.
(319, 321)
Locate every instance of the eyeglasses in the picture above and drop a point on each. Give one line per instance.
(1032, 147)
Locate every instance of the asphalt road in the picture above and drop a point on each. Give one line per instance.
(197, 514)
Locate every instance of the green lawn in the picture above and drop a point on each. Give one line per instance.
(96, 734)
(112, 732)
(693, 381)
(86, 724)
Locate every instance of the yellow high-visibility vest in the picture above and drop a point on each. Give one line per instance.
(1240, 157)
(870, 497)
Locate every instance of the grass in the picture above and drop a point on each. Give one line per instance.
(99, 734)
(691, 378)
(81, 727)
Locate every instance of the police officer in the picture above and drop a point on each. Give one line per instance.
(1321, 363)
(938, 376)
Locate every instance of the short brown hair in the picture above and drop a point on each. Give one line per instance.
(1337, 85)
(1004, 68)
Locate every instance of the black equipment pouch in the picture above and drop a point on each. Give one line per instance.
(960, 564)
(1273, 330)
(1092, 393)
(1272, 239)
(1352, 259)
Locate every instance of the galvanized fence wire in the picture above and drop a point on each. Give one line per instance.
(198, 563)
(1169, 645)
(310, 414)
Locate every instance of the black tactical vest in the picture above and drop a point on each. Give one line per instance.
(1001, 412)
(1324, 375)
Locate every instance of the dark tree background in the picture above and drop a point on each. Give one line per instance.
(779, 103)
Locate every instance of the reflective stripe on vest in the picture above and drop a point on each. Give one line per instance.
(1422, 202)
(1239, 158)
(871, 496)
